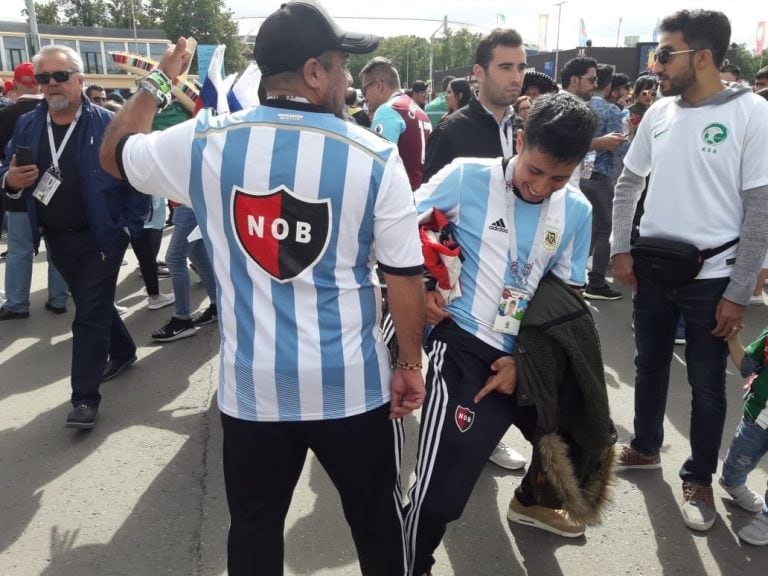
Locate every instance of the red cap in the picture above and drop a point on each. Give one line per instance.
(24, 74)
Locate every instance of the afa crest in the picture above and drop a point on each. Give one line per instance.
(551, 239)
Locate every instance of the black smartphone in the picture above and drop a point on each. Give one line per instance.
(24, 156)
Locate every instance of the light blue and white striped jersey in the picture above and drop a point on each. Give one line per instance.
(289, 203)
(553, 235)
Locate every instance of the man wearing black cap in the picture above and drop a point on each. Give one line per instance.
(295, 205)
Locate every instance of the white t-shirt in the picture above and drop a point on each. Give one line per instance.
(289, 204)
(700, 160)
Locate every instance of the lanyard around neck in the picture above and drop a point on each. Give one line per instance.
(56, 152)
(522, 270)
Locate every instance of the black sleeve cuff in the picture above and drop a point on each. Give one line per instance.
(412, 271)
(119, 154)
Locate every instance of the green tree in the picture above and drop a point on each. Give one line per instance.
(46, 12)
(87, 13)
(410, 54)
(153, 14)
(123, 12)
(456, 49)
(748, 61)
(209, 22)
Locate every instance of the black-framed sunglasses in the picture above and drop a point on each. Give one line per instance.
(590, 79)
(364, 89)
(60, 76)
(664, 55)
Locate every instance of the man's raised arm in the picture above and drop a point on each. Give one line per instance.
(138, 113)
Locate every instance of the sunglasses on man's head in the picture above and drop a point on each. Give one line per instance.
(664, 55)
(60, 76)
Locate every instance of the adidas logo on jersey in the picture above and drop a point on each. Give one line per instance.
(498, 226)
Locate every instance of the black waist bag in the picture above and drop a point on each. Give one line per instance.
(671, 262)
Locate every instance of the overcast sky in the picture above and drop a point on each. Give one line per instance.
(601, 18)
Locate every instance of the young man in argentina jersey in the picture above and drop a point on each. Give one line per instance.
(296, 206)
(515, 221)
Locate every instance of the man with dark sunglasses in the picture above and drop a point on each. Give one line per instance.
(704, 148)
(85, 214)
(96, 94)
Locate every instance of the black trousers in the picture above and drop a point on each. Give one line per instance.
(98, 332)
(457, 437)
(146, 246)
(263, 462)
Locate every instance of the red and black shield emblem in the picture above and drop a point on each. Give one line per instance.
(464, 418)
(284, 234)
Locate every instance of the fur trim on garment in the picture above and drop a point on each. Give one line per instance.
(583, 503)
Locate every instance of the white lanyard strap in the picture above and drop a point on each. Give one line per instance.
(507, 137)
(56, 152)
(524, 269)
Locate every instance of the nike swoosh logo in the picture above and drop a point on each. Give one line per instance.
(660, 133)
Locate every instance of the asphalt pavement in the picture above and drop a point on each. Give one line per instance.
(142, 494)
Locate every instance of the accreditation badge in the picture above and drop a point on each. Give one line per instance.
(512, 306)
(47, 186)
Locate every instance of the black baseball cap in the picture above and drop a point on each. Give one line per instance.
(301, 30)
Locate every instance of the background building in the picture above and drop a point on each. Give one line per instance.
(93, 45)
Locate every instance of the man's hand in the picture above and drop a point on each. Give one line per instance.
(623, 267)
(19, 177)
(176, 59)
(729, 317)
(504, 380)
(609, 141)
(435, 308)
(408, 392)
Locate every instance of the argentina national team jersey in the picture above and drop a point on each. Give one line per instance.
(553, 235)
(289, 203)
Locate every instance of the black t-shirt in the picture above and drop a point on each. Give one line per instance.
(66, 210)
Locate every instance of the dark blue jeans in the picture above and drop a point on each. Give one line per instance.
(599, 192)
(98, 332)
(657, 309)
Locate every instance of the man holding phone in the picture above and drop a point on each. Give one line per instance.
(85, 215)
(21, 250)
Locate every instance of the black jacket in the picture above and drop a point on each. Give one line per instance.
(468, 132)
(560, 370)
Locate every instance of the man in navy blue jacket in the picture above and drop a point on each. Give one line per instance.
(86, 215)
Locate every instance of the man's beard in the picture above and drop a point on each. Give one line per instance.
(58, 102)
(680, 84)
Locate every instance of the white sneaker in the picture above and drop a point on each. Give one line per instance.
(743, 496)
(506, 457)
(756, 532)
(160, 301)
(121, 309)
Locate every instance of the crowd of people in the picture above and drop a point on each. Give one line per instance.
(490, 213)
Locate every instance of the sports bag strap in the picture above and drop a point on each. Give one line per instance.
(709, 252)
